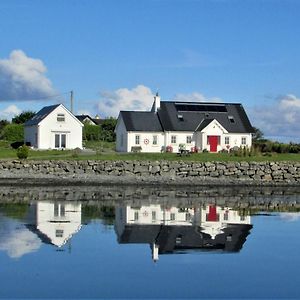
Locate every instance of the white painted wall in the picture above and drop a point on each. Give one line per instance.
(50, 224)
(121, 136)
(31, 135)
(181, 138)
(146, 141)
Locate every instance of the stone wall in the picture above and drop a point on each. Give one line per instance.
(261, 173)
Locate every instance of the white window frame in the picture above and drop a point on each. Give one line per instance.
(60, 117)
(227, 140)
(244, 140)
(137, 139)
(154, 140)
(189, 139)
(173, 139)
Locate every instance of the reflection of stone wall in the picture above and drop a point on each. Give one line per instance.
(236, 197)
(159, 171)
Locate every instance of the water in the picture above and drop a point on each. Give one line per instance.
(137, 248)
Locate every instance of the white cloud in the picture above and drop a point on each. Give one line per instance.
(291, 217)
(23, 78)
(138, 98)
(9, 112)
(196, 97)
(17, 240)
(280, 119)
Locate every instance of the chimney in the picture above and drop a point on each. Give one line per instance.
(156, 103)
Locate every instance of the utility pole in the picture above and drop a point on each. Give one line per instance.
(71, 101)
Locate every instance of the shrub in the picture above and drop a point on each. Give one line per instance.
(13, 132)
(205, 150)
(22, 152)
(169, 148)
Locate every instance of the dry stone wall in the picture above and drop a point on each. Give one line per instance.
(261, 173)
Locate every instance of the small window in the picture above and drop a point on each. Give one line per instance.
(172, 217)
(136, 215)
(244, 140)
(173, 139)
(153, 215)
(59, 233)
(137, 139)
(188, 139)
(180, 117)
(231, 119)
(227, 140)
(60, 117)
(154, 140)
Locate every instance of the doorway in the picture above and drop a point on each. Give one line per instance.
(213, 141)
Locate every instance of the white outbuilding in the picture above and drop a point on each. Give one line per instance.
(53, 127)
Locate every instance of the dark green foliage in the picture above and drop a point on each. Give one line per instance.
(91, 133)
(108, 129)
(13, 210)
(276, 147)
(13, 133)
(104, 132)
(23, 117)
(3, 123)
(257, 135)
(23, 152)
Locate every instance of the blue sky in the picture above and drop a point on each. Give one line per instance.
(117, 54)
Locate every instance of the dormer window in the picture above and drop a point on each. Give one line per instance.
(60, 117)
(231, 119)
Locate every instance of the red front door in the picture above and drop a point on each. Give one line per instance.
(213, 143)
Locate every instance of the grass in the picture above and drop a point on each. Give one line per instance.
(105, 151)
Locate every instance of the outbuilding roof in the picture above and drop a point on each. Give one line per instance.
(40, 115)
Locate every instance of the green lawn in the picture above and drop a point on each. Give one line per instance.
(105, 151)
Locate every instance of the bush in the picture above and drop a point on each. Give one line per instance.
(91, 133)
(13, 132)
(22, 152)
(169, 149)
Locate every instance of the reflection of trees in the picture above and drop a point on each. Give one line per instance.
(95, 212)
(14, 211)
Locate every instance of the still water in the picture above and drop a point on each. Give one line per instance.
(147, 249)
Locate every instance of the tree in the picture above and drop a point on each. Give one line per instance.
(13, 133)
(257, 135)
(108, 129)
(23, 117)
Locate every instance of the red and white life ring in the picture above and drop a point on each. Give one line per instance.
(146, 141)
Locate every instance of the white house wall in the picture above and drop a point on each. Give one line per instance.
(121, 136)
(50, 126)
(31, 135)
(146, 141)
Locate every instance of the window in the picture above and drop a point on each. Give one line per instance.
(231, 119)
(227, 140)
(60, 140)
(244, 140)
(154, 140)
(137, 139)
(153, 215)
(173, 139)
(172, 217)
(226, 214)
(188, 139)
(136, 215)
(60, 117)
(59, 233)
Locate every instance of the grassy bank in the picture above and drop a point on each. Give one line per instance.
(105, 151)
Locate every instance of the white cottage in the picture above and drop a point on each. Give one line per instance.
(53, 127)
(191, 125)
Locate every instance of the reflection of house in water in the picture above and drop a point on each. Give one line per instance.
(173, 229)
(55, 222)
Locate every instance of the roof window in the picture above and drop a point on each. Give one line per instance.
(231, 119)
(180, 117)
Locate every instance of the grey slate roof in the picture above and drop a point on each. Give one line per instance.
(189, 116)
(192, 238)
(141, 121)
(81, 118)
(42, 114)
(169, 113)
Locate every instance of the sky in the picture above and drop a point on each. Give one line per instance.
(116, 54)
